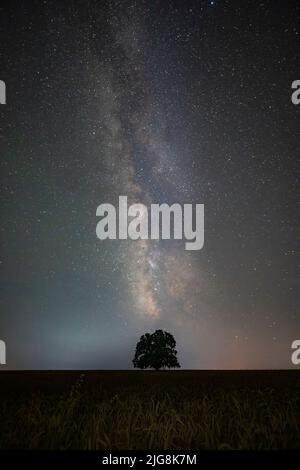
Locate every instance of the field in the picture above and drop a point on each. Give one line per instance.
(150, 410)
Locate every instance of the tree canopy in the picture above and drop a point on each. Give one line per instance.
(156, 350)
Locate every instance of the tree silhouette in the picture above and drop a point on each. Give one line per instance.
(156, 350)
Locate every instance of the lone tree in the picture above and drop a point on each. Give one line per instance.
(156, 350)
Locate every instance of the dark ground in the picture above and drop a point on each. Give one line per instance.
(60, 381)
(150, 410)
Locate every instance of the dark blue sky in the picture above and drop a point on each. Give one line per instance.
(162, 101)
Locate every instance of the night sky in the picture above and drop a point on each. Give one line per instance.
(162, 101)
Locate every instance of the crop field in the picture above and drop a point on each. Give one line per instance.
(130, 410)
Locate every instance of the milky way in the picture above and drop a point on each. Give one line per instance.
(164, 102)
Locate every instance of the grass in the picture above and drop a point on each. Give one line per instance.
(164, 410)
